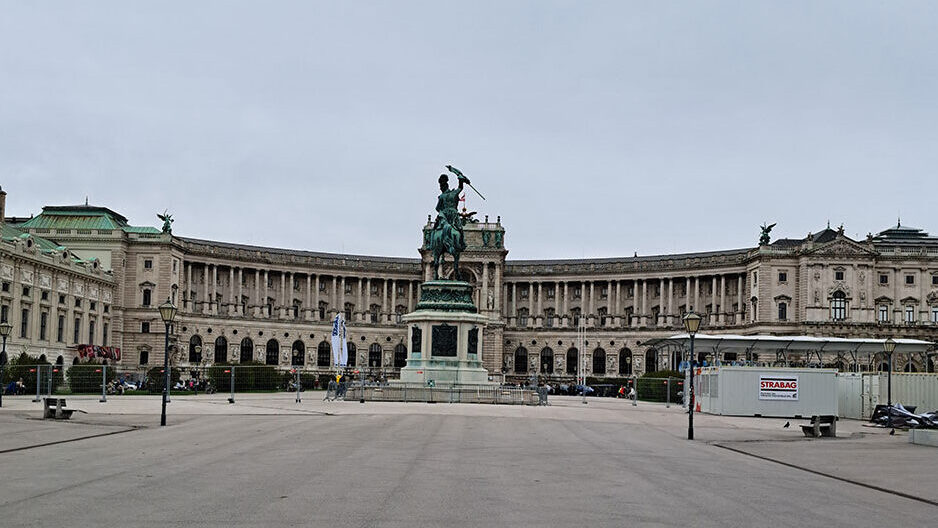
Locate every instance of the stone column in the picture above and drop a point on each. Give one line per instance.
(566, 306)
(540, 303)
(316, 298)
(617, 321)
(384, 299)
(214, 304)
(590, 321)
(498, 287)
(341, 303)
(687, 303)
(206, 302)
(662, 305)
(671, 310)
(308, 299)
(557, 312)
(514, 302)
(484, 305)
(722, 311)
(410, 296)
(713, 300)
(191, 307)
(531, 315)
(281, 310)
(360, 298)
(696, 294)
(266, 294)
(739, 298)
(239, 307)
(393, 309)
(644, 303)
(232, 306)
(257, 292)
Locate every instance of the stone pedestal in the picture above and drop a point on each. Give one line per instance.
(445, 335)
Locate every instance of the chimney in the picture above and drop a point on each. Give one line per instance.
(3, 205)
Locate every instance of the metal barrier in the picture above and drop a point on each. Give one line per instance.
(452, 394)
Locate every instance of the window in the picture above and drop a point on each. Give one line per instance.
(144, 357)
(603, 292)
(374, 313)
(550, 292)
(92, 305)
(60, 330)
(934, 314)
(145, 327)
(400, 290)
(577, 292)
(524, 293)
(25, 291)
(782, 311)
(910, 280)
(77, 303)
(523, 317)
(43, 324)
(148, 264)
(146, 297)
(910, 314)
(839, 306)
(104, 335)
(783, 276)
(882, 313)
(883, 279)
(839, 275)
(45, 296)
(755, 277)
(61, 299)
(322, 286)
(24, 323)
(4, 313)
(348, 287)
(176, 266)
(91, 332)
(107, 309)
(934, 280)
(76, 335)
(6, 286)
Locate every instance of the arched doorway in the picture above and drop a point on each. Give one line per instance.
(298, 358)
(400, 356)
(651, 360)
(374, 356)
(625, 362)
(521, 360)
(221, 350)
(599, 362)
(547, 360)
(273, 352)
(323, 354)
(247, 350)
(195, 356)
(573, 357)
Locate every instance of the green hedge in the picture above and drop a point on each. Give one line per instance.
(248, 376)
(85, 378)
(652, 386)
(156, 379)
(19, 368)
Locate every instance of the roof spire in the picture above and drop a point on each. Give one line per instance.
(86, 200)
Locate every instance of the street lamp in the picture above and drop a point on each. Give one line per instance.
(167, 313)
(889, 346)
(691, 325)
(5, 329)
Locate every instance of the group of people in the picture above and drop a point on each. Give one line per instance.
(15, 388)
(336, 388)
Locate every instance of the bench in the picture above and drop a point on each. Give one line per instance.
(55, 408)
(823, 425)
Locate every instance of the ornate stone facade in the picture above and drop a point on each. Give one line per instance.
(272, 305)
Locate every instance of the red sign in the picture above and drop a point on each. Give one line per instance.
(227, 372)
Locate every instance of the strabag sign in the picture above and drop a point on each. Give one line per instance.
(778, 388)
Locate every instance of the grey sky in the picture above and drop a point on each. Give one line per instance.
(593, 128)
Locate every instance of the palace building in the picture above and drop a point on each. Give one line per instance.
(79, 281)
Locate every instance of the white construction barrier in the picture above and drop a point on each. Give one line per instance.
(778, 392)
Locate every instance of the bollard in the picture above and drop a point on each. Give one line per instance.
(667, 404)
(103, 384)
(38, 385)
(634, 391)
(231, 397)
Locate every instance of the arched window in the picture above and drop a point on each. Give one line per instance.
(323, 354)
(625, 362)
(651, 360)
(374, 355)
(352, 354)
(273, 352)
(298, 358)
(221, 350)
(521, 360)
(572, 359)
(547, 360)
(599, 361)
(195, 356)
(247, 350)
(839, 306)
(400, 356)
(59, 360)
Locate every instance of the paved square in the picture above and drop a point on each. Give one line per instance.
(268, 461)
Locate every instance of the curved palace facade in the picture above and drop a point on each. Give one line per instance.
(79, 280)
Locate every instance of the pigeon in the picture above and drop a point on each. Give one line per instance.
(892, 432)
(787, 425)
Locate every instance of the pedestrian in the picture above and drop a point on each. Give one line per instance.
(331, 390)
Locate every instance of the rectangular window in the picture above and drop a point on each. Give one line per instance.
(577, 293)
(24, 323)
(883, 279)
(144, 357)
(6, 286)
(322, 286)
(60, 330)
(883, 314)
(91, 332)
(910, 314)
(61, 299)
(175, 265)
(348, 286)
(146, 297)
(25, 291)
(107, 308)
(782, 311)
(43, 325)
(910, 279)
(934, 314)
(934, 280)
(76, 334)
(4, 313)
(755, 277)
(44, 296)
(145, 327)
(783, 276)
(148, 264)
(92, 305)
(104, 335)
(550, 292)
(77, 303)
(524, 294)
(603, 292)
(839, 275)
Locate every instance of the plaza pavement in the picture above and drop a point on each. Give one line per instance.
(269, 461)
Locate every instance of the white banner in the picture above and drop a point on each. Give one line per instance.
(339, 342)
(778, 387)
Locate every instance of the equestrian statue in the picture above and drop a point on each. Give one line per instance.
(447, 235)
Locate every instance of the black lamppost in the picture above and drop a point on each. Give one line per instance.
(167, 313)
(5, 329)
(889, 346)
(691, 325)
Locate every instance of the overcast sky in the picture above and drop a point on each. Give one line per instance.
(593, 128)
